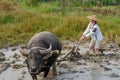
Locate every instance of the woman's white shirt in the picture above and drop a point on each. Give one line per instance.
(93, 31)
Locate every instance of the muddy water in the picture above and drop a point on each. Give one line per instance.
(12, 73)
(81, 69)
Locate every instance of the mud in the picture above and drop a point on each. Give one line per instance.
(86, 67)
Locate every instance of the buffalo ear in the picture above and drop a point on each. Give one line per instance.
(56, 52)
(23, 52)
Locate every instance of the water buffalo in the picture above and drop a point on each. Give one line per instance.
(44, 48)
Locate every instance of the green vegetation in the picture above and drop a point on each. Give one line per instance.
(20, 19)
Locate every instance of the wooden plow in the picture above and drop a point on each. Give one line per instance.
(73, 52)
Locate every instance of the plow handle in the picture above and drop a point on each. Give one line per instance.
(78, 44)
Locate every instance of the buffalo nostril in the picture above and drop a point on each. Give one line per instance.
(33, 68)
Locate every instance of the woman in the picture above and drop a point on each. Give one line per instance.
(94, 32)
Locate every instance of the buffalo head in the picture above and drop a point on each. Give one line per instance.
(35, 58)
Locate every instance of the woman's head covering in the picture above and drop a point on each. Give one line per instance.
(93, 17)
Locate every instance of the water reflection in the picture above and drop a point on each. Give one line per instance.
(96, 72)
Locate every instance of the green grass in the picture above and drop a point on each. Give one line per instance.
(20, 24)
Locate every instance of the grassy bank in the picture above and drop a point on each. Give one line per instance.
(19, 22)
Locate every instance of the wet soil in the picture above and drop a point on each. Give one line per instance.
(84, 67)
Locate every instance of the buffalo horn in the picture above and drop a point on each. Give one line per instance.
(50, 47)
(23, 52)
(46, 51)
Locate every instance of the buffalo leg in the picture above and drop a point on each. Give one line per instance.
(34, 77)
(54, 71)
(46, 72)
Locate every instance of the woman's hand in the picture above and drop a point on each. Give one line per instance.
(82, 38)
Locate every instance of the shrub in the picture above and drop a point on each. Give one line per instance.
(31, 3)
